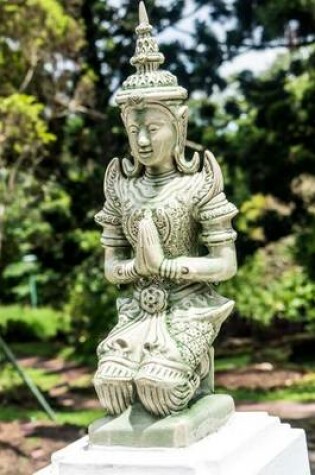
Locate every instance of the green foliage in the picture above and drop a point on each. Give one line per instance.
(27, 323)
(232, 362)
(14, 390)
(34, 223)
(10, 380)
(274, 14)
(38, 24)
(305, 251)
(91, 304)
(80, 417)
(251, 212)
(270, 284)
(21, 125)
(303, 393)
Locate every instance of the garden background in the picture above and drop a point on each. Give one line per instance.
(61, 62)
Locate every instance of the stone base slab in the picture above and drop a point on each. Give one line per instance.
(248, 444)
(137, 428)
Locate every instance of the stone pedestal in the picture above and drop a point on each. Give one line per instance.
(137, 428)
(248, 444)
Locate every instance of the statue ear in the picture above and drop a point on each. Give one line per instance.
(182, 113)
(182, 117)
(123, 117)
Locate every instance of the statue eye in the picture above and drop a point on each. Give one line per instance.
(153, 128)
(133, 130)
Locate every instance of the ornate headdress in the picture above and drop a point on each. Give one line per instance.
(149, 82)
(155, 86)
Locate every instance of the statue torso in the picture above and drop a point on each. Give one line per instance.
(170, 204)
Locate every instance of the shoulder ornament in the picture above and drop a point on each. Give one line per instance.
(112, 178)
(212, 209)
(211, 181)
(111, 212)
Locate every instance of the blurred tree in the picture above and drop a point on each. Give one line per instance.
(59, 129)
(24, 135)
(39, 47)
(264, 134)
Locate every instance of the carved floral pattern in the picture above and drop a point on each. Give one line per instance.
(153, 299)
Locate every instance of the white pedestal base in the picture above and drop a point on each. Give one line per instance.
(249, 444)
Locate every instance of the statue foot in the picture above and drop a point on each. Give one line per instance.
(115, 397)
(113, 383)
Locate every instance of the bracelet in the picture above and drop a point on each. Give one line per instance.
(170, 269)
(127, 271)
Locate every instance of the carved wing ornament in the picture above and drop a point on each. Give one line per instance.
(212, 181)
(112, 209)
(110, 217)
(211, 207)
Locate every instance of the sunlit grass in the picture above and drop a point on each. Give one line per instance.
(13, 388)
(82, 418)
(10, 380)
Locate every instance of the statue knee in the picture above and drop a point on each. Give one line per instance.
(165, 388)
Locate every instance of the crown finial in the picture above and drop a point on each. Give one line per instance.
(149, 80)
(147, 57)
(143, 15)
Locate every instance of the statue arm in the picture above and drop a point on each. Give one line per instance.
(219, 265)
(214, 213)
(119, 267)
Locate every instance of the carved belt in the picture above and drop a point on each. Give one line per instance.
(153, 299)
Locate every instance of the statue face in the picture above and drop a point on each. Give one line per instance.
(152, 136)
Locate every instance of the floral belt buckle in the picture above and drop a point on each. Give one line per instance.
(153, 299)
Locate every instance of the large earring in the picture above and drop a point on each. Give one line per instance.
(185, 166)
(131, 168)
(188, 167)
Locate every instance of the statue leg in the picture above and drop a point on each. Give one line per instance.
(113, 380)
(119, 357)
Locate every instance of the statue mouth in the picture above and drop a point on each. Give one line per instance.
(145, 153)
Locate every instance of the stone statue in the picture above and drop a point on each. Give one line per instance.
(167, 232)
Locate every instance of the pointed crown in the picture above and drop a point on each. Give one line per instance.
(149, 82)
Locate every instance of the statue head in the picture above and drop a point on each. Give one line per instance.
(153, 108)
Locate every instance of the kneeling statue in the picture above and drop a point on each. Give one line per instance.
(167, 233)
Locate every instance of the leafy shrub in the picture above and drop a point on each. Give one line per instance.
(271, 284)
(27, 324)
(91, 304)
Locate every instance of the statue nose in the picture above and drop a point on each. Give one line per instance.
(143, 138)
